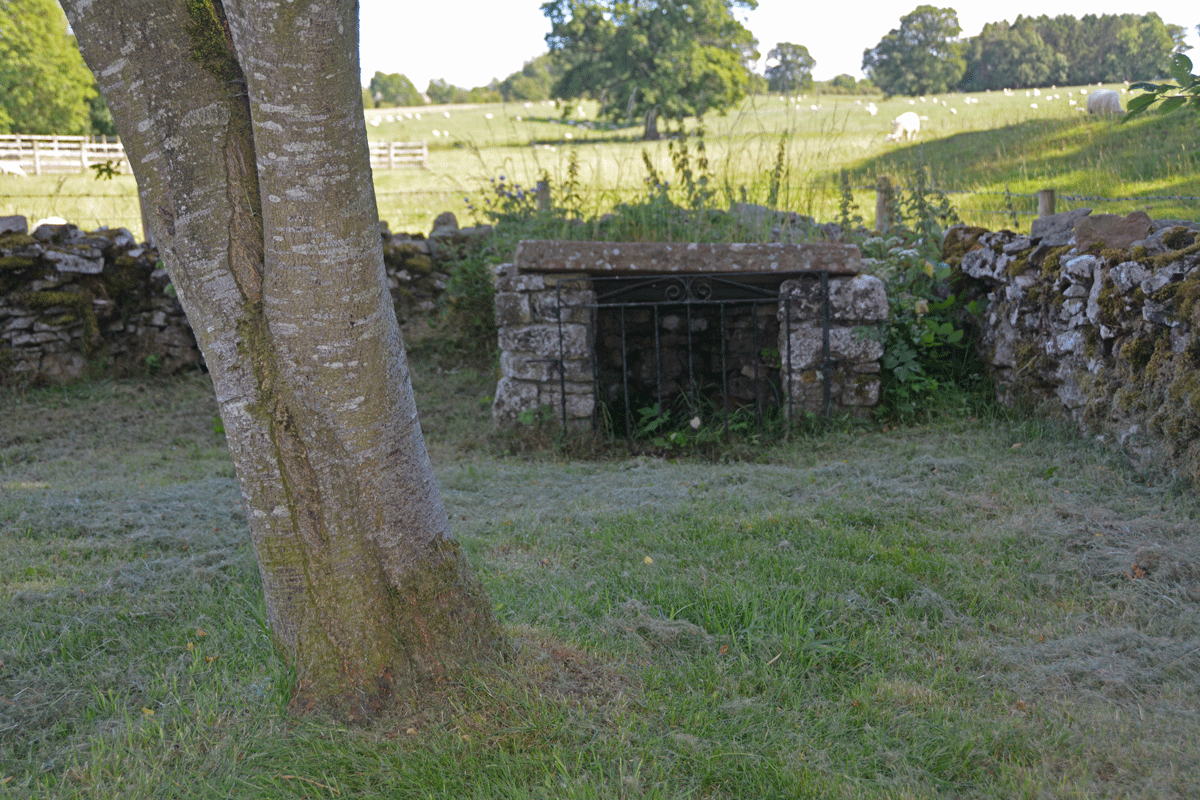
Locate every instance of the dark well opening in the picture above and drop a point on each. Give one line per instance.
(676, 348)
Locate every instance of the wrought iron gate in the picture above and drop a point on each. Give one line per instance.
(681, 306)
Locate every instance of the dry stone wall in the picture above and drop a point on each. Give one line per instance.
(1100, 316)
(76, 304)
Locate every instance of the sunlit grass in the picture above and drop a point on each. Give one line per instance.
(990, 143)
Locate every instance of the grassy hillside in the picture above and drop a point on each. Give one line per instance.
(977, 144)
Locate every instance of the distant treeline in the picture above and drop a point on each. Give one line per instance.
(534, 81)
(1064, 50)
(1041, 51)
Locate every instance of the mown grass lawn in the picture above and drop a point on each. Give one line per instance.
(975, 607)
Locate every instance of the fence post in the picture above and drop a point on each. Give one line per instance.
(883, 204)
(543, 196)
(1045, 202)
(391, 155)
(37, 158)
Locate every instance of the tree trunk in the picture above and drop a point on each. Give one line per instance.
(650, 121)
(244, 128)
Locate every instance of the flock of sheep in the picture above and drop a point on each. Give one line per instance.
(908, 124)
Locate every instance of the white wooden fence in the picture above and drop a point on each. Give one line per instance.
(389, 155)
(43, 155)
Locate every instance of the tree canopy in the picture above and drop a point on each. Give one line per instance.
(44, 85)
(652, 58)
(393, 89)
(534, 81)
(792, 68)
(923, 56)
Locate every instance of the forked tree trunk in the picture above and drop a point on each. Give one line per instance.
(244, 128)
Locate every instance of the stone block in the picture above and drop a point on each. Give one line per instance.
(575, 306)
(1127, 275)
(1112, 231)
(1082, 269)
(512, 309)
(532, 367)
(1057, 230)
(87, 260)
(846, 345)
(14, 224)
(581, 402)
(548, 341)
(513, 397)
(859, 299)
(520, 282)
(632, 258)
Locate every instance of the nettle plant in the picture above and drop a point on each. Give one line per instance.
(929, 361)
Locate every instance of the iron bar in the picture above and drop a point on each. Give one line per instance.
(787, 316)
(724, 374)
(658, 383)
(826, 388)
(754, 357)
(562, 355)
(625, 381)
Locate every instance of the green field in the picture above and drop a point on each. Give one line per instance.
(977, 146)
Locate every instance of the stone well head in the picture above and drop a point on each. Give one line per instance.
(593, 331)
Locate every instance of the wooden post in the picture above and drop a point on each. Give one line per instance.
(543, 196)
(1045, 202)
(883, 204)
(37, 158)
(391, 155)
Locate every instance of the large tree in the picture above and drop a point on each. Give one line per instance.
(44, 85)
(922, 56)
(393, 89)
(651, 59)
(1012, 56)
(243, 124)
(789, 68)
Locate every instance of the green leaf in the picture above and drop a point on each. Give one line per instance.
(1141, 102)
(1181, 69)
(955, 337)
(1171, 103)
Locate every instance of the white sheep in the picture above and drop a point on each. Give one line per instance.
(907, 125)
(12, 168)
(1104, 101)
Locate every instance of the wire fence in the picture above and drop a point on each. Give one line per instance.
(1046, 201)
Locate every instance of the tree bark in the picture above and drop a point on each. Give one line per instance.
(244, 128)
(650, 122)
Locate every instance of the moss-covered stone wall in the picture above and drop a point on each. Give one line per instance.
(1109, 333)
(77, 304)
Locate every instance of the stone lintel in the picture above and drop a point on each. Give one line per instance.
(654, 258)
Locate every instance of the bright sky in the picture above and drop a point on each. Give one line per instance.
(469, 42)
